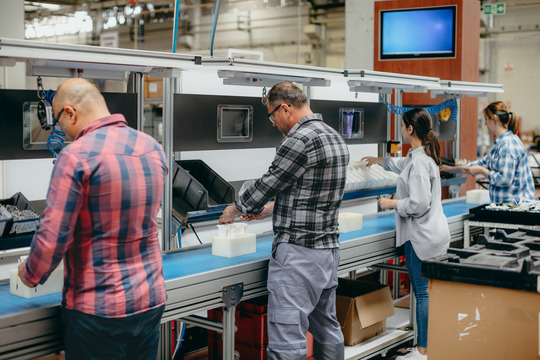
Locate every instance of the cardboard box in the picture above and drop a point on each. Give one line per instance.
(153, 87)
(362, 309)
(482, 322)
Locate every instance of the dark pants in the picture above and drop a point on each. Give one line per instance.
(89, 337)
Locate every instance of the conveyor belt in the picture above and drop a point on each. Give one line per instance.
(194, 279)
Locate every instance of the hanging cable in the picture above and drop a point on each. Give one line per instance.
(214, 23)
(175, 30)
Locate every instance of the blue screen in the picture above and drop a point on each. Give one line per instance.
(418, 33)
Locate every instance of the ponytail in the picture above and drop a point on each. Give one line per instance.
(432, 146)
(421, 122)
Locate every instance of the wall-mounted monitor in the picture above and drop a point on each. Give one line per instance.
(351, 123)
(417, 33)
(234, 123)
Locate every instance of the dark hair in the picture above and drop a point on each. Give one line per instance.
(420, 120)
(508, 119)
(286, 92)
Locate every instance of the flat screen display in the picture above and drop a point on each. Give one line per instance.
(418, 33)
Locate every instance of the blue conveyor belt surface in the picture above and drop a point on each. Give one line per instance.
(197, 261)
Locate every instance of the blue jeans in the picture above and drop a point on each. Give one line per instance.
(88, 337)
(419, 285)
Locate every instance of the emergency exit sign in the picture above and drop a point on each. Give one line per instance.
(495, 9)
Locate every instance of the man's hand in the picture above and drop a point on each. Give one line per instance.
(20, 271)
(267, 211)
(229, 215)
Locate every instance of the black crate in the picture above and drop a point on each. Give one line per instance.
(507, 264)
(197, 187)
(17, 227)
(501, 216)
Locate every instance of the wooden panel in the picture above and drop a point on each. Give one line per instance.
(463, 67)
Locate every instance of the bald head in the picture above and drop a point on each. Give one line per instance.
(81, 102)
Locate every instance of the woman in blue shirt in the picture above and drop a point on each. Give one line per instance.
(506, 166)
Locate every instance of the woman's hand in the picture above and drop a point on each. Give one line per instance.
(370, 160)
(478, 170)
(388, 203)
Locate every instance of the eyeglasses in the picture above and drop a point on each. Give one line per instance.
(271, 117)
(56, 118)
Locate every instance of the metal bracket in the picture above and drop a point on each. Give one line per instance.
(232, 294)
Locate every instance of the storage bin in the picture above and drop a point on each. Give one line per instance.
(20, 226)
(197, 187)
(251, 337)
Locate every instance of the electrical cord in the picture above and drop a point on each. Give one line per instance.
(214, 22)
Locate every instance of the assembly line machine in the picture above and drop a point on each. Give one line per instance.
(195, 280)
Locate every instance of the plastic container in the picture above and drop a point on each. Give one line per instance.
(20, 226)
(197, 187)
(505, 262)
(508, 217)
(232, 241)
(5, 218)
(251, 337)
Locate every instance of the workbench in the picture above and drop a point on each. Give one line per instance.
(195, 280)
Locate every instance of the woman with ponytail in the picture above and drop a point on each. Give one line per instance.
(506, 166)
(420, 222)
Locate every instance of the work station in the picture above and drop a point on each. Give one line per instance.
(210, 116)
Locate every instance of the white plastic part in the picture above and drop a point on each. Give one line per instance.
(478, 196)
(232, 241)
(53, 284)
(349, 221)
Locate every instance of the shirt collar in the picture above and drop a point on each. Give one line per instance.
(504, 134)
(310, 117)
(416, 152)
(104, 121)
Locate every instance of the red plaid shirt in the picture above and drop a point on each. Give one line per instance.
(102, 203)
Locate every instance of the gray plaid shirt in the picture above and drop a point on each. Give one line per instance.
(307, 179)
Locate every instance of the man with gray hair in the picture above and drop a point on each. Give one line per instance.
(307, 180)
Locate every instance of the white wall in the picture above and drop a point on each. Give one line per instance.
(517, 60)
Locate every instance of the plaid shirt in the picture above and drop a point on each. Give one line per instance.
(307, 179)
(510, 176)
(102, 202)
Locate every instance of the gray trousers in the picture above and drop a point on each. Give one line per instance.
(302, 283)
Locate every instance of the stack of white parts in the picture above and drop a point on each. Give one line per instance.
(233, 241)
(53, 284)
(360, 176)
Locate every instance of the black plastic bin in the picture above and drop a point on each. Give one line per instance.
(511, 262)
(197, 187)
(17, 227)
(504, 216)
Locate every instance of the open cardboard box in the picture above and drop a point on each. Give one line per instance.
(362, 309)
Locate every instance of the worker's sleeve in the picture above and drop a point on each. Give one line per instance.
(394, 164)
(288, 166)
(419, 200)
(55, 232)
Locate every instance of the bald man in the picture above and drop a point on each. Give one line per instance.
(100, 218)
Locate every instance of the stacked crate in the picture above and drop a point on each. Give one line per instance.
(251, 337)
